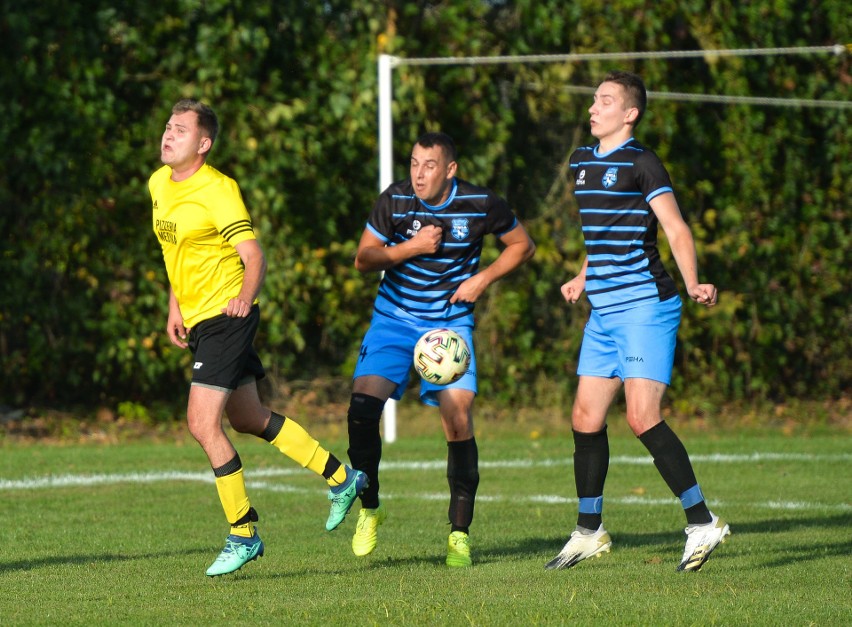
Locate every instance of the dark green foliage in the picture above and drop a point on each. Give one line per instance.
(87, 87)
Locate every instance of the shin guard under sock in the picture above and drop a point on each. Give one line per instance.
(672, 461)
(231, 486)
(365, 443)
(463, 478)
(290, 438)
(591, 463)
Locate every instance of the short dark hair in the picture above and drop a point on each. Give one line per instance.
(634, 90)
(448, 146)
(207, 120)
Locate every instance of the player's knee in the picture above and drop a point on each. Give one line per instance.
(241, 425)
(363, 418)
(244, 421)
(458, 422)
(459, 431)
(585, 421)
(641, 421)
(199, 428)
(364, 409)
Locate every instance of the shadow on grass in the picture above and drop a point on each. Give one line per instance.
(76, 560)
(544, 548)
(354, 565)
(537, 547)
(782, 555)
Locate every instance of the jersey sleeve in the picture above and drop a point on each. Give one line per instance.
(229, 214)
(380, 222)
(573, 163)
(156, 180)
(652, 177)
(501, 217)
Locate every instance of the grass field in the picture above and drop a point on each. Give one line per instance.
(122, 534)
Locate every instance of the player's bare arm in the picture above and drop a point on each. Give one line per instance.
(519, 248)
(174, 326)
(255, 271)
(373, 255)
(572, 290)
(683, 248)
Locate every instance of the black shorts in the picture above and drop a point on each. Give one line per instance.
(222, 352)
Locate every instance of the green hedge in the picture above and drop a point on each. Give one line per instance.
(88, 86)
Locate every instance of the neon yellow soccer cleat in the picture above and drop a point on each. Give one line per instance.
(458, 550)
(366, 530)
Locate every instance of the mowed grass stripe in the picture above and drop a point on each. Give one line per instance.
(64, 480)
(253, 482)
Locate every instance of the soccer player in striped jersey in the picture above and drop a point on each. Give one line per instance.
(216, 269)
(426, 233)
(624, 192)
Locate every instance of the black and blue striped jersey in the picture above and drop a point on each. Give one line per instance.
(419, 289)
(613, 192)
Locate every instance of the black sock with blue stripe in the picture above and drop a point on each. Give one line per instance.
(591, 462)
(672, 460)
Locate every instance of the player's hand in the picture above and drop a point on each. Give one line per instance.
(177, 332)
(237, 308)
(704, 294)
(470, 290)
(427, 240)
(572, 290)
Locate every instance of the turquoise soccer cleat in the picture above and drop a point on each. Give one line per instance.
(343, 496)
(238, 551)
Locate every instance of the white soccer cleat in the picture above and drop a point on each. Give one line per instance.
(700, 542)
(579, 547)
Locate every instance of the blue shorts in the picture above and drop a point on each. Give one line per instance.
(387, 350)
(637, 343)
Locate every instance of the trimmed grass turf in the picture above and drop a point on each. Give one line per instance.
(113, 540)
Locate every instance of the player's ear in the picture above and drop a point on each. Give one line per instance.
(205, 145)
(631, 115)
(452, 166)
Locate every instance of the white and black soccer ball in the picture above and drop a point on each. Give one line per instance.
(441, 356)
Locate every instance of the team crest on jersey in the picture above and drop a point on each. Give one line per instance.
(460, 228)
(610, 177)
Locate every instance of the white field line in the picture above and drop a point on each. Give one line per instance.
(255, 479)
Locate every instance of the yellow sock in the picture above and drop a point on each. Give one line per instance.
(244, 531)
(235, 502)
(338, 477)
(298, 445)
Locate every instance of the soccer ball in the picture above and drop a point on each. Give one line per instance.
(441, 356)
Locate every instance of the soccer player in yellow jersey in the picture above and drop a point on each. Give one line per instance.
(216, 269)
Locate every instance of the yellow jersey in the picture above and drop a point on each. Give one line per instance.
(198, 222)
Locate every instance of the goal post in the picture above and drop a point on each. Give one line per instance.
(385, 179)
